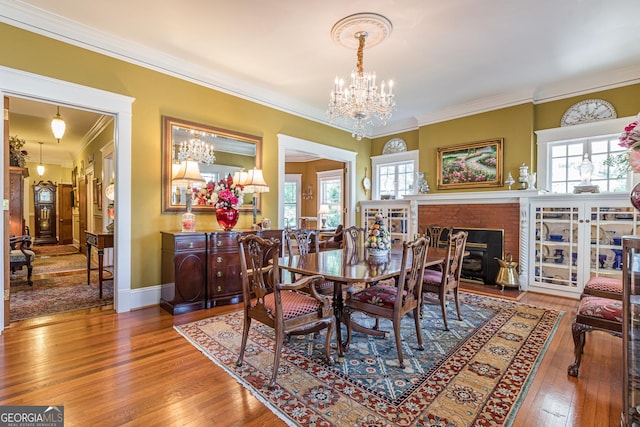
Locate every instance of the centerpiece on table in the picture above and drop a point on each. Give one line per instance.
(225, 196)
(378, 242)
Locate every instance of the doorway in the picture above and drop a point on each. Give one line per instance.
(32, 86)
(289, 144)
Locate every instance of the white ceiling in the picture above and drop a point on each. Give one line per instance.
(447, 58)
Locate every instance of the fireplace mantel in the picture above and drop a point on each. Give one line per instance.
(476, 197)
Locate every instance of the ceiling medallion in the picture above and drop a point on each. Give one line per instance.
(587, 111)
(360, 102)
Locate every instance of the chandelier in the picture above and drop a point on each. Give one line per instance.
(196, 150)
(362, 102)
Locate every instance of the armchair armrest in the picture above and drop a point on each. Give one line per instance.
(308, 282)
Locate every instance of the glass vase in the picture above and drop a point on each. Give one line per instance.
(227, 218)
(635, 196)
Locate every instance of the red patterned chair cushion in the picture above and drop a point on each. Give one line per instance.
(603, 284)
(601, 308)
(432, 277)
(293, 304)
(380, 295)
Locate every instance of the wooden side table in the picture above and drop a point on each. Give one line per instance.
(99, 241)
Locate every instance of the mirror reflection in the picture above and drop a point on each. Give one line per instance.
(217, 153)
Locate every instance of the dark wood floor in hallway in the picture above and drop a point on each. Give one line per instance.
(133, 369)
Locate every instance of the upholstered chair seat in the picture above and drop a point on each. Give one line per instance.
(594, 313)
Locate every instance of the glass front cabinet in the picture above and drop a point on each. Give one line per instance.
(631, 332)
(575, 240)
(396, 215)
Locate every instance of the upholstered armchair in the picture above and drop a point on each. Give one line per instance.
(21, 255)
(276, 304)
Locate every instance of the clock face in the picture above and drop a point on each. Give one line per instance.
(587, 111)
(395, 145)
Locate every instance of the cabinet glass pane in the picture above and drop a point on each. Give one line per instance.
(556, 247)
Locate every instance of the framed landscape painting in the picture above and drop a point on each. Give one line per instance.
(476, 164)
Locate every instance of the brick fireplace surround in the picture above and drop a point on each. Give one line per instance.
(502, 210)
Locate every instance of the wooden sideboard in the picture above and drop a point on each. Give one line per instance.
(202, 270)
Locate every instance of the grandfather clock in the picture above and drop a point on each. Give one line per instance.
(44, 194)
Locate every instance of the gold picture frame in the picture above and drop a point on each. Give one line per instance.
(475, 164)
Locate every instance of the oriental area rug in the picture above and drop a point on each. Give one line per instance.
(59, 285)
(475, 374)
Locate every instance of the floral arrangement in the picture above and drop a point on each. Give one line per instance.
(223, 194)
(378, 238)
(630, 139)
(630, 159)
(17, 156)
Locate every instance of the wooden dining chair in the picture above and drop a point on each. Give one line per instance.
(353, 237)
(393, 300)
(434, 232)
(447, 279)
(301, 241)
(277, 304)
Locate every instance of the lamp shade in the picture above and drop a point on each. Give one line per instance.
(240, 177)
(188, 174)
(255, 182)
(324, 209)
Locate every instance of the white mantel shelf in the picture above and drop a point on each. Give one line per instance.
(513, 196)
(476, 197)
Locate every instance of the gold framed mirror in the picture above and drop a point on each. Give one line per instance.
(232, 152)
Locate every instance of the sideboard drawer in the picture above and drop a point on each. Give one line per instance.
(194, 242)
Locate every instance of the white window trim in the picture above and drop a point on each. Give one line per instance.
(546, 137)
(385, 159)
(297, 178)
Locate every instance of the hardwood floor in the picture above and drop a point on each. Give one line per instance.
(134, 369)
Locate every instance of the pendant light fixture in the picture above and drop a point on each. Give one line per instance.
(58, 126)
(40, 167)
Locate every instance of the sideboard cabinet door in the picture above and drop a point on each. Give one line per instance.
(184, 272)
(631, 332)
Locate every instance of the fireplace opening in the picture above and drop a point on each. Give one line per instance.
(484, 246)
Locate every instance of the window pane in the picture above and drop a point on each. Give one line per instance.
(290, 192)
(558, 151)
(565, 158)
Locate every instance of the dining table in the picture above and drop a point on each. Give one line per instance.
(345, 267)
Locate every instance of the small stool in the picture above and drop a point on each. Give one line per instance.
(594, 313)
(604, 287)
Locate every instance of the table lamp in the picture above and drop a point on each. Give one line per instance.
(189, 173)
(322, 213)
(255, 184)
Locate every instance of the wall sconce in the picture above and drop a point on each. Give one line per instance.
(308, 194)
